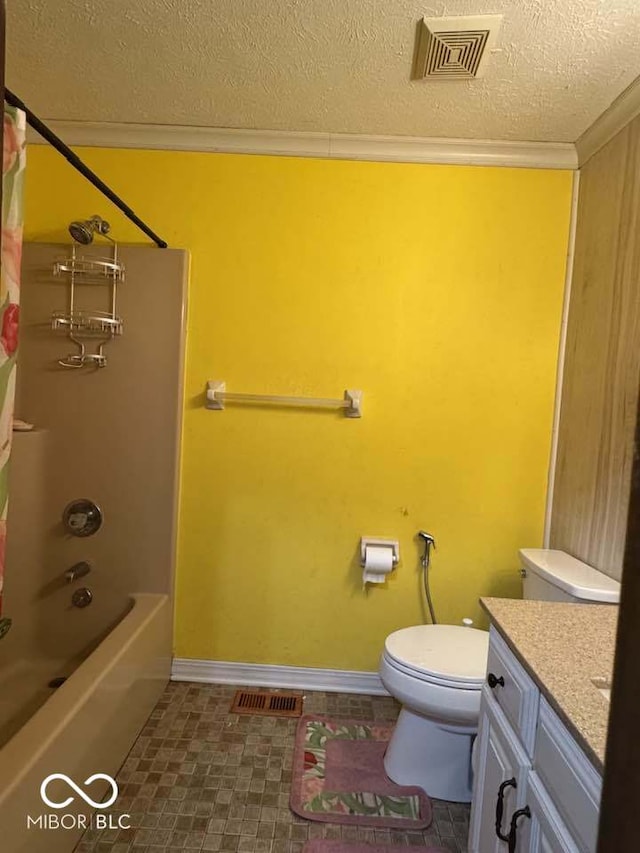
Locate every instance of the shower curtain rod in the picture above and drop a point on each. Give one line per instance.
(77, 163)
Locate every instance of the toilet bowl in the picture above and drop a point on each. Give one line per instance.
(437, 673)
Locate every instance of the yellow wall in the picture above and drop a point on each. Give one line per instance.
(435, 289)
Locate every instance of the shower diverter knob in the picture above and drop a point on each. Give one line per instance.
(82, 517)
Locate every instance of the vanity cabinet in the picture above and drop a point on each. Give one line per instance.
(544, 831)
(534, 789)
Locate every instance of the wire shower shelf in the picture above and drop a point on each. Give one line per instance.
(84, 326)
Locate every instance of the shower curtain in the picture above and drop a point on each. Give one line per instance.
(13, 163)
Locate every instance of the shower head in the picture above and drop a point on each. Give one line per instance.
(83, 230)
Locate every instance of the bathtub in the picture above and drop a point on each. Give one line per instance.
(85, 726)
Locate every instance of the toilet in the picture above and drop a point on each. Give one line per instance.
(437, 671)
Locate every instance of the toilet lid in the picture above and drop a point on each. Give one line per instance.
(449, 652)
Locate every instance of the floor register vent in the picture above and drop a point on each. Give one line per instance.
(267, 703)
(455, 48)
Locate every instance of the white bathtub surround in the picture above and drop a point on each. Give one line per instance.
(269, 675)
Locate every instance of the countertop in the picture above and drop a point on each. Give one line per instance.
(562, 647)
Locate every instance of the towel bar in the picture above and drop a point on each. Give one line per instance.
(217, 395)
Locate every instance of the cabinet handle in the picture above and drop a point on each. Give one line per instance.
(513, 830)
(493, 681)
(510, 783)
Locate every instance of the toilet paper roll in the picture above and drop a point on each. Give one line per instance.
(378, 562)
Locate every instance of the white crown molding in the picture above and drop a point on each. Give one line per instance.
(338, 146)
(268, 675)
(623, 110)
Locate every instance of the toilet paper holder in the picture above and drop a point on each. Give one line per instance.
(371, 541)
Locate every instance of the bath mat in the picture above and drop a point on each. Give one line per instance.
(321, 846)
(338, 776)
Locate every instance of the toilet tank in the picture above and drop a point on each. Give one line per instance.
(549, 575)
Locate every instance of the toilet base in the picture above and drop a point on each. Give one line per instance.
(435, 757)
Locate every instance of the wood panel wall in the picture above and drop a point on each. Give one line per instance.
(621, 789)
(602, 361)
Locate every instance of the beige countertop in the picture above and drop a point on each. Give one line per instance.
(564, 646)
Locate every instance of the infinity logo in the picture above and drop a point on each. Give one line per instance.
(73, 786)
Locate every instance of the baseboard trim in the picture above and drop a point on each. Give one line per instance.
(268, 675)
(338, 146)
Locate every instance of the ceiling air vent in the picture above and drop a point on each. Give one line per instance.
(455, 48)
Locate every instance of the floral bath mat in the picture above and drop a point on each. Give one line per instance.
(322, 846)
(338, 776)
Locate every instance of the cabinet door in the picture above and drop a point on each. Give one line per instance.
(568, 777)
(499, 757)
(545, 832)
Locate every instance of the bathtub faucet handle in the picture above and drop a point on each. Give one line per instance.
(78, 570)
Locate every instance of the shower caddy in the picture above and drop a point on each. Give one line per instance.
(89, 328)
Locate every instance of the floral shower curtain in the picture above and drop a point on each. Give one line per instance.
(13, 163)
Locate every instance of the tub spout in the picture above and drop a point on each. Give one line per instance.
(79, 570)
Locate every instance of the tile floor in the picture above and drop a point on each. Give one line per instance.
(200, 778)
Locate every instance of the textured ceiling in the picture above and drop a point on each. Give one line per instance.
(319, 65)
